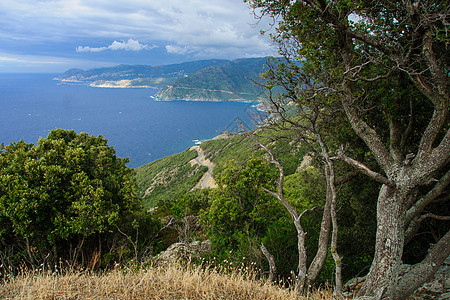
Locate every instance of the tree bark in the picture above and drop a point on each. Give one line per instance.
(329, 171)
(388, 245)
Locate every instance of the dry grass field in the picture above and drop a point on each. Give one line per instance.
(163, 282)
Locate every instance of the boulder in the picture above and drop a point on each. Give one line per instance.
(183, 252)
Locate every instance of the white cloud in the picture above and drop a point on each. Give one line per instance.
(130, 45)
(190, 28)
(90, 49)
(178, 50)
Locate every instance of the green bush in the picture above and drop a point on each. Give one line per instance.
(59, 194)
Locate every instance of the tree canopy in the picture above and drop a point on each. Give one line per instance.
(67, 187)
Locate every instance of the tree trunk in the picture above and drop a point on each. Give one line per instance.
(271, 260)
(383, 274)
(300, 282)
(30, 255)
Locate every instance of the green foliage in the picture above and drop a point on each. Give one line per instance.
(240, 206)
(67, 186)
(191, 203)
(305, 189)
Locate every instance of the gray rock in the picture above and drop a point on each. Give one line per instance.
(183, 252)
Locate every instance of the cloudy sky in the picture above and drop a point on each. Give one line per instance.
(55, 35)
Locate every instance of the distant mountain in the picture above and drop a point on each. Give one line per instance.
(231, 81)
(204, 80)
(130, 72)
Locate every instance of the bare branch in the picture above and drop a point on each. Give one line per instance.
(364, 169)
(420, 205)
(434, 127)
(271, 260)
(414, 225)
(306, 211)
(368, 134)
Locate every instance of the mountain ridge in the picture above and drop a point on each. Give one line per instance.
(203, 80)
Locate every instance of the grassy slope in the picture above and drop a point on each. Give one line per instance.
(168, 177)
(225, 82)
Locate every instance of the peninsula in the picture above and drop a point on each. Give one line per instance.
(204, 80)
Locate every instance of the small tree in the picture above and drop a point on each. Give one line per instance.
(240, 210)
(306, 130)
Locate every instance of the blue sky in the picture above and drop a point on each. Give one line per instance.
(55, 35)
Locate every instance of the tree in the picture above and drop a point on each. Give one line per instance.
(386, 64)
(239, 209)
(307, 131)
(66, 188)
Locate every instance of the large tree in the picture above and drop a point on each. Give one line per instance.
(386, 64)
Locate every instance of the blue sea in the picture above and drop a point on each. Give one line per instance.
(135, 124)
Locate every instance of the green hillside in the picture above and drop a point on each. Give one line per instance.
(137, 71)
(205, 80)
(168, 177)
(172, 176)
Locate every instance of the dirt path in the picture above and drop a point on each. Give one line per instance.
(207, 181)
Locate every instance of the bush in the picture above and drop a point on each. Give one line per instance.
(62, 194)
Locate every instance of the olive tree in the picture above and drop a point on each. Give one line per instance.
(386, 64)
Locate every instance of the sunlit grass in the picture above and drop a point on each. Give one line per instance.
(161, 282)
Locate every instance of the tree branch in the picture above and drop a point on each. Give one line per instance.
(433, 128)
(420, 205)
(414, 226)
(368, 134)
(364, 169)
(425, 270)
(271, 260)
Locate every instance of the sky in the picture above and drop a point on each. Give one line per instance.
(55, 35)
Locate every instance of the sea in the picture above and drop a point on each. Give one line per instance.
(136, 124)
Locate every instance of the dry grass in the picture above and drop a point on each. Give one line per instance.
(168, 282)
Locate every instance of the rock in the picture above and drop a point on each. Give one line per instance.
(307, 162)
(183, 252)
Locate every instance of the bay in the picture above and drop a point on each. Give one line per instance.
(134, 123)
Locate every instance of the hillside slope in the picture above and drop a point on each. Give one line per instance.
(172, 176)
(168, 178)
(130, 72)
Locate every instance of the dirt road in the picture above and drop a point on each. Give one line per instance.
(207, 181)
